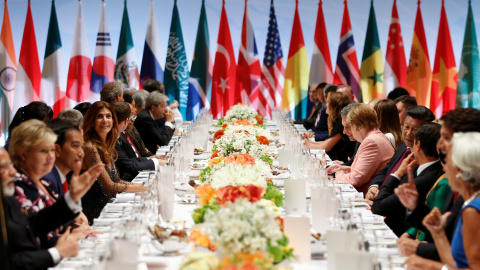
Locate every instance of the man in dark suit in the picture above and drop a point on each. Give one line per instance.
(23, 230)
(429, 170)
(458, 120)
(309, 122)
(129, 161)
(415, 117)
(155, 108)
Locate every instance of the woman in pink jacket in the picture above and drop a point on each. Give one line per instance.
(374, 152)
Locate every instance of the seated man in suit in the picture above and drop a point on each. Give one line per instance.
(68, 151)
(23, 230)
(155, 108)
(429, 170)
(309, 122)
(129, 161)
(320, 128)
(458, 120)
(415, 117)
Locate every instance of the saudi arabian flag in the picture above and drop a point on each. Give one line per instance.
(126, 68)
(176, 68)
(468, 87)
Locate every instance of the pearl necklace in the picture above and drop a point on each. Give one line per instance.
(467, 202)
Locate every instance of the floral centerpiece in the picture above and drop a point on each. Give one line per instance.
(257, 131)
(239, 142)
(241, 112)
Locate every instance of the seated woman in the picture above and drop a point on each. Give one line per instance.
(337, 145)
(374, 152)
(388, 123)
(32, 151)
(463, 172)
(100, 129)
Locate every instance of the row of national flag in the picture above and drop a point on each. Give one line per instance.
(264, 85)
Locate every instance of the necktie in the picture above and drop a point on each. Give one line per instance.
(65, 186)
(131, 143)
(405, 154)
(318, 117)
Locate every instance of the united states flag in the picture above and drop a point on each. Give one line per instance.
(273, 71)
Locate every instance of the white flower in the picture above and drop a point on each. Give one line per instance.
(242, 226)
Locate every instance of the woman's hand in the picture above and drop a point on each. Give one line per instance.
(435, 222)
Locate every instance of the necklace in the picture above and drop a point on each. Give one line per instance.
(467, 202)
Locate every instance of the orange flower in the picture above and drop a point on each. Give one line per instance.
(263, 140)
(224, 126)
(232, 193)
(205, 193)
(213, 161)
(242, 159)
(219, 134)
(259, 120)
(200, 239)
(280, 222)
(215, 154)
(245, 261)
(243, 122)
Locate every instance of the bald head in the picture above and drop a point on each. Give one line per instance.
(347, 90)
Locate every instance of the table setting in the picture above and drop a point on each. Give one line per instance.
(239, 191)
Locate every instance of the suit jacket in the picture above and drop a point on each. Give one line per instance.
(387, 203)
(138, 142)
(310, 123)
(387, 170)
(151, 135)
(352, 159)
(23, 230)
(128, 164)
(374, 152)
(56, 182)
(321, 129)
(428, 250)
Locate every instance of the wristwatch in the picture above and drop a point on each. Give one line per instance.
(445, 267)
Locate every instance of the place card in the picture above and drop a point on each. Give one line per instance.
(285, 158)
(297, 229)
(295, 196)
(340, 242)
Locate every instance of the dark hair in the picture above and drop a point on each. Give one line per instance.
(428, 135)
(61, 128)
(110, 91)
(398, 92)
(122, 110)
(329, 88)
(106, 149)
(388, 121)
(127, 98)
(34, 110)
(153, 85)
(462, 120)
(420, 113)
(407, 101)
(321, 85)
(83, 107)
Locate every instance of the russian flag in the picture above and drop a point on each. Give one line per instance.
(151, 68)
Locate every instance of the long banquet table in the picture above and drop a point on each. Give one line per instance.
(128, 206)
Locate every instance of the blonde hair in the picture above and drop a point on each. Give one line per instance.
(362, 115)
(29, 134)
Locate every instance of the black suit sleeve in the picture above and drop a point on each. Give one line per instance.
(428, 251)
(30, 260)
(130, 166)
(150, 133)
(387, 201)
(50, 218)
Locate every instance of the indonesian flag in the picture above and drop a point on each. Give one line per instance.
(248, 71)
(54, 76)
(8, 70)
(80, 69)
(321, 67)
(395, 73)
(103, 64)
(29, 75)
(444, 78)
(224, 69)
